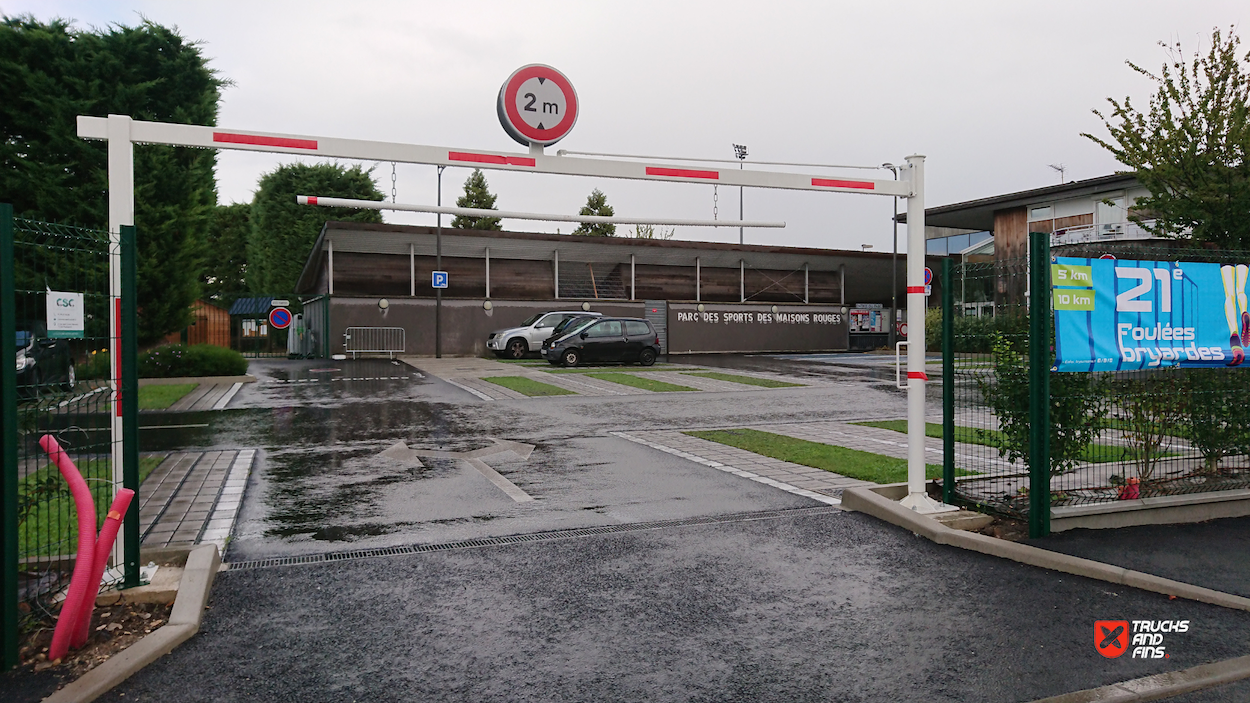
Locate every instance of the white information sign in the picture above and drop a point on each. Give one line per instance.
(65, 315)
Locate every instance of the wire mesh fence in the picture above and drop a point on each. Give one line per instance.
(56, 297)
(1103, 436)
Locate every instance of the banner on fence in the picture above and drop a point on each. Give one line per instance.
(1115, 315)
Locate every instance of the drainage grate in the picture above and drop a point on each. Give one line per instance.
(531, 537)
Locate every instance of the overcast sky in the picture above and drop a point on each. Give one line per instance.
(991, 92)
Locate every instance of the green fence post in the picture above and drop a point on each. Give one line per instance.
(8, 428)
(130, 405)
(1039, 384)
(948, 385)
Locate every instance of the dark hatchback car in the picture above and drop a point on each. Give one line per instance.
(620, 339)
(42, 363)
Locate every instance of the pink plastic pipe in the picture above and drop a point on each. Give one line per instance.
(103, 545)
(78, 584)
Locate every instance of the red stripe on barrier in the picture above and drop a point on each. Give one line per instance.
(228, 138)
(834, 183)
(918, 374)
(916, 289)
(117, 361)
(491, 159)
(312, 200)
(682, 173)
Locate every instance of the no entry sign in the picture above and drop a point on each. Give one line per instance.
(537, 105)
(280, 318)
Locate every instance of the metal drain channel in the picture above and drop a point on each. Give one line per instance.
(531, 537)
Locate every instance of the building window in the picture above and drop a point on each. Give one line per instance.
(1109, 214)
(1041, 213)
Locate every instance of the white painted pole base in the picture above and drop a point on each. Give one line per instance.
(923, 504)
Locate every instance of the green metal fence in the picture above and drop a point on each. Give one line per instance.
(58, 384)
(1029, 440)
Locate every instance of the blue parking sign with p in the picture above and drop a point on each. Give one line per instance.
(438, 279)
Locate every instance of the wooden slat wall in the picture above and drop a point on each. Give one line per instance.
(514, 279)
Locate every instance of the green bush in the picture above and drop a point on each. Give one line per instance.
(973, 335)
(1078, 402)
(178, 360)
(95, 367)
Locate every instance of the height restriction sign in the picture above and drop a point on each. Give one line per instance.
(537, 105)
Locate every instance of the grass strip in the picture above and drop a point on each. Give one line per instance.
(528, 386)
(735, 378)
(853, 463)
(1096, 453)
(47, 518)
(599, 368)
(647, 384)
(160, 397)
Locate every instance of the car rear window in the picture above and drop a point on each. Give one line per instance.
(636, 328)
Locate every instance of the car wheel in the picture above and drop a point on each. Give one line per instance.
(71, 378)
(518, 348)
(647, 357)
(570, 357)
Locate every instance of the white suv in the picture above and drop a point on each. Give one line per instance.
(516, 342)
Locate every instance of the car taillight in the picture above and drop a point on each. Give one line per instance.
(657, 340)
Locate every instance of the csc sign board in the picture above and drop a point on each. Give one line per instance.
(1115, 315)
(65, 315)
(755, 328)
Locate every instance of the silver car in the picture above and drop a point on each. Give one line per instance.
(516, 342)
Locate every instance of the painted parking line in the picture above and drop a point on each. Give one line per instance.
(514, 492)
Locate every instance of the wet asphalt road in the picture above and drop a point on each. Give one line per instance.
(1213, 554)
(815, 608)
(321, 485)
(835, 606)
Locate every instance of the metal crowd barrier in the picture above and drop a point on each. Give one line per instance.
(374, 340)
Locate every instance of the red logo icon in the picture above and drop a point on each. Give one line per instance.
(1111, 637)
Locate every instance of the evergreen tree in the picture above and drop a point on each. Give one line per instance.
(49, 74)
(283, 231)
(477, 195)
(597, 205)
(1191, 148)
(225, 263)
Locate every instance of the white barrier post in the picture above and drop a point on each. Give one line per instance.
(916, 498)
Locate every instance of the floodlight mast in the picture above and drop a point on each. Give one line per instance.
(122, 133)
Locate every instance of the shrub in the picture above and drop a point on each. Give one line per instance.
(1077, 402)
(95, 367)
(177, 360)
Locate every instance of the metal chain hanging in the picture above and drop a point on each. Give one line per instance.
(394, 191)
(715, 203)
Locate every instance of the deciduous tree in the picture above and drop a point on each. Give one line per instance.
(1191, 146)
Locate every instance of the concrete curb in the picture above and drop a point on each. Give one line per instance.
(1160, 686)
(869, 501)
(184, 621)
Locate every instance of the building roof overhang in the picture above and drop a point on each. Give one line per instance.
(978, 215)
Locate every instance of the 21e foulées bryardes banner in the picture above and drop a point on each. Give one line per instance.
(1113, 315)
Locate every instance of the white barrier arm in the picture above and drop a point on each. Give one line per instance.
(330, 147)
